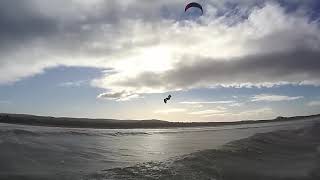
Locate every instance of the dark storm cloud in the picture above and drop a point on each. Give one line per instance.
(19, 21)
(23, 19)
(292, 67)
(67, 26)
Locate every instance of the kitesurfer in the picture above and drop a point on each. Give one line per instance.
(167, 99)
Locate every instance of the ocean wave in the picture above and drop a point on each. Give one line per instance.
(22, 132)
(126, 133)
(18, 132)
(280, 155)
(222, 128)
(94, 133)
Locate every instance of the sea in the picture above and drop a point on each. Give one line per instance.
(34, 152)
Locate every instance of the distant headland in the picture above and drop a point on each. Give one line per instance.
(25, 119)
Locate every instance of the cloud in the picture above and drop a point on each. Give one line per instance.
(255, 112)
(5, 102)
(260, 113)
(118, 96)
(273, 98)
(274, 55)
(207, 102)
(250, 45)
(197, 106)
(73, 83)
(208, 111)
(236, 104)
(313, 103)
(258, 70)
(168, 111)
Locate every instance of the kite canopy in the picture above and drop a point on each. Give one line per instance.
(194, 4)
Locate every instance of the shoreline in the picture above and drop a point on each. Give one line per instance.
(65, 122)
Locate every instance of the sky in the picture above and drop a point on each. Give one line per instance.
(240, 60)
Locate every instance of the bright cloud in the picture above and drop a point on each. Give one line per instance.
(273, 98)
